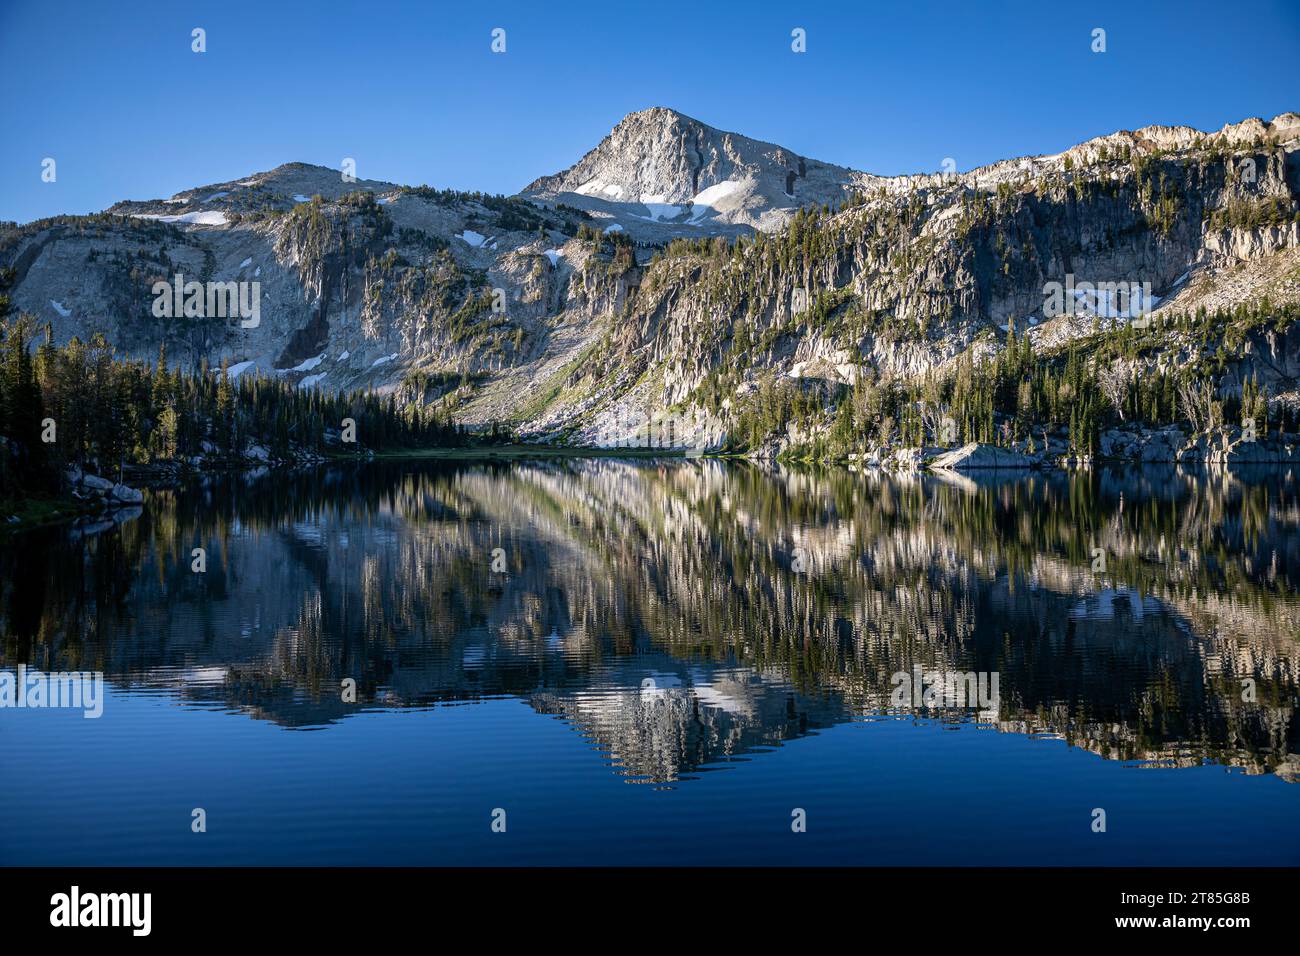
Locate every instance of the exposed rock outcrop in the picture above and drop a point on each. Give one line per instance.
(975, 456)
(566, 310)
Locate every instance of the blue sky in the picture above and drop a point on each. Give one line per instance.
(412, 91)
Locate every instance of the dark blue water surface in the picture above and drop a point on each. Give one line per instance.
(678, 660)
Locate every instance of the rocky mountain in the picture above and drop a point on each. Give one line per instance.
(660, 173)
(684, 272)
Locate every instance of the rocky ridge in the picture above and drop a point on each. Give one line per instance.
(598, 301)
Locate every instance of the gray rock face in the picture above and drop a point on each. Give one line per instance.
(509, 308)
(976, 456)
(1145, 445)
(126, 495)
(107, 494)
(660, 172)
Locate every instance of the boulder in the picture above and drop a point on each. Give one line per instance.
(100, 486)
(904, 460)
(976, 455)
(1195, 450)
(1255, 453)
(1161, 445)
(127, 495)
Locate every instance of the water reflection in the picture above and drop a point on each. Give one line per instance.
(682, 614)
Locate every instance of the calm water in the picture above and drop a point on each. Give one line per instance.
(677, 657)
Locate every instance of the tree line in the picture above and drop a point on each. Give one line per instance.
(82, 405)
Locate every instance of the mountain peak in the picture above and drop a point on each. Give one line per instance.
(659, 115)
(662, 167)
(280, 188)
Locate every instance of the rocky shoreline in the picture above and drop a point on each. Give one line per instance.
(1135, 445)
(92, 503)
(96, 503)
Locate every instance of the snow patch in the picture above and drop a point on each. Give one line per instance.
(246, 263)
(595, 187)
(58, 307)
(217, 195)
(383, 359)
(660, 209)
(238, 369)
(707, 199)
(614, 228)
(344, 356)
(475, 239)
(554, 255)
(311, 380)
(299, 197)
(212, 218)
(309, 364)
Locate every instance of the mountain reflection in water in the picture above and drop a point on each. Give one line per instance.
(682, 613)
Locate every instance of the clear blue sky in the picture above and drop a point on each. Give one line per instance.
(412, 91)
